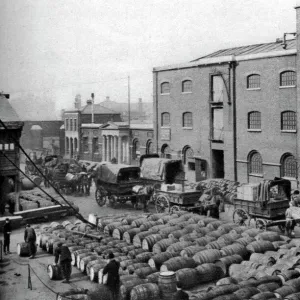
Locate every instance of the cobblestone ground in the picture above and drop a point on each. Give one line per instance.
(14, 287)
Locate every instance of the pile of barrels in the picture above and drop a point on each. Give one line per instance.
(159, 253)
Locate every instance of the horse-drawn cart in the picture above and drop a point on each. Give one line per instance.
(115, 182)
(167, 177)
(266, 204)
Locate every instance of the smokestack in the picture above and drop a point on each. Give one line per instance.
(92, 96)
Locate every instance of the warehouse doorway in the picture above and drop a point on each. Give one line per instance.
(217, 163)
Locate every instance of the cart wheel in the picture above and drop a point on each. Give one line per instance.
(162, 204)
(282, 228)
(174, 209)
(100, 196)
(241, 217)
(261, 224)
(113, 201)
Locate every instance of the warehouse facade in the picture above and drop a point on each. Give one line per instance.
(231, 114)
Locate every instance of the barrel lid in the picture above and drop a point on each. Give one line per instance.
(167, 273)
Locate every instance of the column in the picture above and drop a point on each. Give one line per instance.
(109, 148)
(116, 147)
(119, 145)
(113, 147)
(106, 148)
(103, 147)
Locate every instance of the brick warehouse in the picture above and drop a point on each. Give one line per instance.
(232, 114)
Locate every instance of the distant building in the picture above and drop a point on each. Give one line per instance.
(140, 111)
(75, 122)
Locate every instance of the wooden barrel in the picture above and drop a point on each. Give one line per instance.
(102, 279)
(263, 296)
(109, 228)
(138, 222)
(119, 231)
(284, 291)
(149, 241)
(131, 268)
(203, 241)
(158, 228)
(167, 284)
(207, 256)
(43, 240)
(187, 278)
(264, 259)
(176, 263)
(286, 275)
(222, 290)
(246, 292)
(85, 260)
(153, 277)
(23, 249)
(268, 236)
(225, 262)
(54, 272)
(251, 232)
(216, 234)
(260, 247)
(93, 263)
(138, 238)
(130, 234)
(295, 296)
(100, 249)
(206, 221)
(71, 227)
(125, 250)
(216, 245)
(125, 263)
(155, 217)
(77, 252)
(143, 272)
(157, 260)
(82, 255)
(128, 285)
(144, 257)
(73, 295)
(145, 291)
(202, 230)
(235, 249)
(150, 224)
(92, 245)
(167, 218)
(190, 251)
(128, 220)
(162, 245)
(94, 270)
(245, 240)
(179, 246)
(133, 253)
(293, 282)
(229, 238)
(268, 287)
(65, 223)
(226, 281)
(190, 237)
(209, 272)
(228, 227)
(124, 278)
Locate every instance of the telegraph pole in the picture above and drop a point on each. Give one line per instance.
(129, 141)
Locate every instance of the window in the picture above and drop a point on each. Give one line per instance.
(288, 120)
(218, 89)
(288, 78)
(255, 163)
(7, 147)
(165, 119)
(166, 151)
(218, 124)
(67, 145)
(188, 153)
(187, 119)
(253, 81)
(254, 120)
(95, 145)
(165, 88)
(289, 166)
(71, 124)
(187, 86)
(135, 149)
(75, 144)
(150, 147)
(85, 144)
(75, 125)
(67, 124)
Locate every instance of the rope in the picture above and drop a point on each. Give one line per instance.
(30, 283)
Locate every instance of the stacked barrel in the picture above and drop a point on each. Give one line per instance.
(159, 253)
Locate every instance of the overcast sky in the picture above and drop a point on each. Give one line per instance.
(58, 48)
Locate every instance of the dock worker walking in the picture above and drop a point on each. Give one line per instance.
(6, 233)
(113, 277)
(30, 238)
(63, 255)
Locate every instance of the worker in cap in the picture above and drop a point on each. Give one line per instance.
(113, 277)
(63, 256)
(30, 238)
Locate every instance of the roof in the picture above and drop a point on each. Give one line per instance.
(98, 109)
(141, 126)
(252, 49)
(7, 113)
(91, 125)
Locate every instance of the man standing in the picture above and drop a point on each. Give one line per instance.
(63, 253)
(113, 277)
(6, 233)
(30, 238)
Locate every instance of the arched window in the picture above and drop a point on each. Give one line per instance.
(288, 78)
(150, 147)
(253, 81)
(75, 144)
(255, 163)
(187, 86)
(165, 119)
(187, 153)
(254, 120)
(67, 144)
(166, 151)
(288, 120)
(187, 119)
(165, 88)
(288, 166)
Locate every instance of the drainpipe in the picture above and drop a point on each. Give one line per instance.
(233, 66)
(155, 82)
